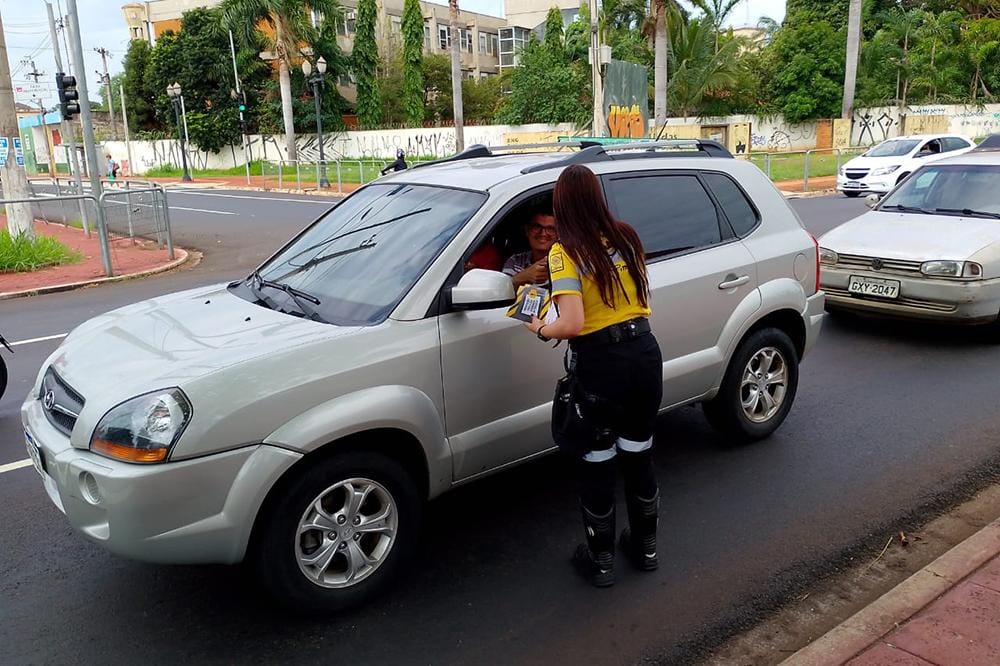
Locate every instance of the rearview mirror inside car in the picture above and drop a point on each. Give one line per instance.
(481, 289)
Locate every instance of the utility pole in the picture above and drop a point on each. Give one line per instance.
(15, 181)
(50, 149)
(597, 82)
(851, 64)
(456, 76)
(76, 54)
(66, 128)
(107, 84)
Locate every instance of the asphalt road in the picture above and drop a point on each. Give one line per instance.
(891, 424)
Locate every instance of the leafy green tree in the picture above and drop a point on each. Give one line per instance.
(566, 86)
(807, 70)
(982, 52)
(699, 71)
(436, 70)
(937, 56)
(413, 54)
(481, 99)
(289, 25)
(717, 11)
(554, 29)
(577, 35)
(366, 65)
(138, 93)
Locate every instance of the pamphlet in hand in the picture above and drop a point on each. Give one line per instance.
(532, 301)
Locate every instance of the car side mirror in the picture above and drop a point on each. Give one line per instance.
(480, 289)
(872, 200)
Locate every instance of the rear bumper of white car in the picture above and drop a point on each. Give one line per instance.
(955, 301)
(188, 512)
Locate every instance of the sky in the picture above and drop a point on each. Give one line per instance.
(102, 24)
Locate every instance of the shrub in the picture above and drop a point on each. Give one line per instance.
(21, 253)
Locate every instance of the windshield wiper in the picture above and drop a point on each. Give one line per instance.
(365, 245)
(905, 209)
(334, 239)
(297, 295)
(969, 211)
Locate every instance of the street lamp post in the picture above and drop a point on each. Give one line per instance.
(314, 76)
(174, 93)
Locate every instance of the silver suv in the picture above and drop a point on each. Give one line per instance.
(300, 418)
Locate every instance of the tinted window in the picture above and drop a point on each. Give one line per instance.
(893, 148)
(671, 213)
(734, 203)
(954, 143)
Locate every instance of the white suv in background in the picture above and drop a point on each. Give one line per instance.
(884, 166)
(301, 417)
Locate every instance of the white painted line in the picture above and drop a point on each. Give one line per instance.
(10, 467)
(264, 197)
(172, 207)
(46, 338)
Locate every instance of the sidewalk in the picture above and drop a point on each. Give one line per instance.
(257, 184)
(946, 614)
(128, 259)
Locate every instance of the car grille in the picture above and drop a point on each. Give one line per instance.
(917, 303)
(856, 174)
(878, 264)
(61, 404)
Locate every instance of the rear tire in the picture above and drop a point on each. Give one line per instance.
(314, 521)
(758, 388)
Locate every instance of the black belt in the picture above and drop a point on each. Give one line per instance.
(626, 330)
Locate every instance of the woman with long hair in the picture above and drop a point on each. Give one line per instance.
(605, 409)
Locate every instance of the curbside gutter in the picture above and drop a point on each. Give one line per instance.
(186, 256)
(867, 626)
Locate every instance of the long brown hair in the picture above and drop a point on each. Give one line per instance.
(590, 233)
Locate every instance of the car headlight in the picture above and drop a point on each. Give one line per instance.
(885, 171)
(827, 256)
(143, 429)
(955, 269)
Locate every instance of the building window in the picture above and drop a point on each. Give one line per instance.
(348, 24)
(395, 24)
(427, 37)
(444, 38)
(482, 42)
(512, 40)
(494, 48)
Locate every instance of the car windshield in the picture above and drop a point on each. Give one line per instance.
(894, 148)
(955, 189)
(361, 258)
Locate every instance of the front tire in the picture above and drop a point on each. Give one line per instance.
(852, 194)
(758, 388)
(340, 532)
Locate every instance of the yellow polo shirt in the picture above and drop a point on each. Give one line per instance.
(566, 279)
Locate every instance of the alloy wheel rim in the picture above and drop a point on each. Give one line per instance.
(764, 385)
(346, 533)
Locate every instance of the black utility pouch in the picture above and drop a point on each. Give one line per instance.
(579, 421)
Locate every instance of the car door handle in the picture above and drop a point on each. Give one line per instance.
(732, 282)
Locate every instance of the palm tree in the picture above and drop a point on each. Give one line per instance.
(288, 24)
(655, 28)
(717, 11)
(698, 70)
(456, 76)
(853, 51)
(903, 25)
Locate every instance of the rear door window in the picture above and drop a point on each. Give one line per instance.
(954, 143)
(671, 213)
(738, 210)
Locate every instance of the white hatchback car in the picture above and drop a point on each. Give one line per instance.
(884, 166)
(929, 250)
(302, 416)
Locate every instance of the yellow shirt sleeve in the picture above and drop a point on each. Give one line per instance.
(563, 273)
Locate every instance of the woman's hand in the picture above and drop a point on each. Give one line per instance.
(534, 325)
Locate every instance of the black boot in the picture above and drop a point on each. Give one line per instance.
(595, 560)
(639, 539)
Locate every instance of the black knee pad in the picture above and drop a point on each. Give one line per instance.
(597, 485)
(637, 468)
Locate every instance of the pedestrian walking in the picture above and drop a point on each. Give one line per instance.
(605, 409)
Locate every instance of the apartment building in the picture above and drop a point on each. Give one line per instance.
(480, 39)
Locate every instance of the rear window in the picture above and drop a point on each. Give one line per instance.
(735, 205)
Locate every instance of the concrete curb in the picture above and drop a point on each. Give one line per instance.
(808, 195)
(251, 188)
(899, 604)
(186, 255)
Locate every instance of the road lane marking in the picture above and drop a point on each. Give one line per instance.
(42, 339)
(173, 207)
(243, 196)
(10, 467)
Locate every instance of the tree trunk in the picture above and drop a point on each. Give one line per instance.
(15, 180)
(456, 76)
(853, 50)
(660, 65)
(285, 82)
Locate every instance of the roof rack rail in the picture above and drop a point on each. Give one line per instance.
(638, 149)
(480, 150)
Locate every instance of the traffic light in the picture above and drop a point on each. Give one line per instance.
(68, 95)
(243, 107)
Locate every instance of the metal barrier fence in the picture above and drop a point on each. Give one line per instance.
(785, 166)
(130, 212)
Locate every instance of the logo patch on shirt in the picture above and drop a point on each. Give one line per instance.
(556, 262)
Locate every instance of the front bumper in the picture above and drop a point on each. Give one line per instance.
(953, 301)
(866, 185)
(194, 511)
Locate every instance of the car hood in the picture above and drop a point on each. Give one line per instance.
(175, 339)
(911, 236)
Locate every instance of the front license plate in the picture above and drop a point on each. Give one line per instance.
(852, 185)
(34, 454)
(873, 287)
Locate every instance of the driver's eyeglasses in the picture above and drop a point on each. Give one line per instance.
(536, 228)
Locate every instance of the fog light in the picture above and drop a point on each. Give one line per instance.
(89, 489)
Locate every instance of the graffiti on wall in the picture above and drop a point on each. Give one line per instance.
(783, 136)
(873, 129)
